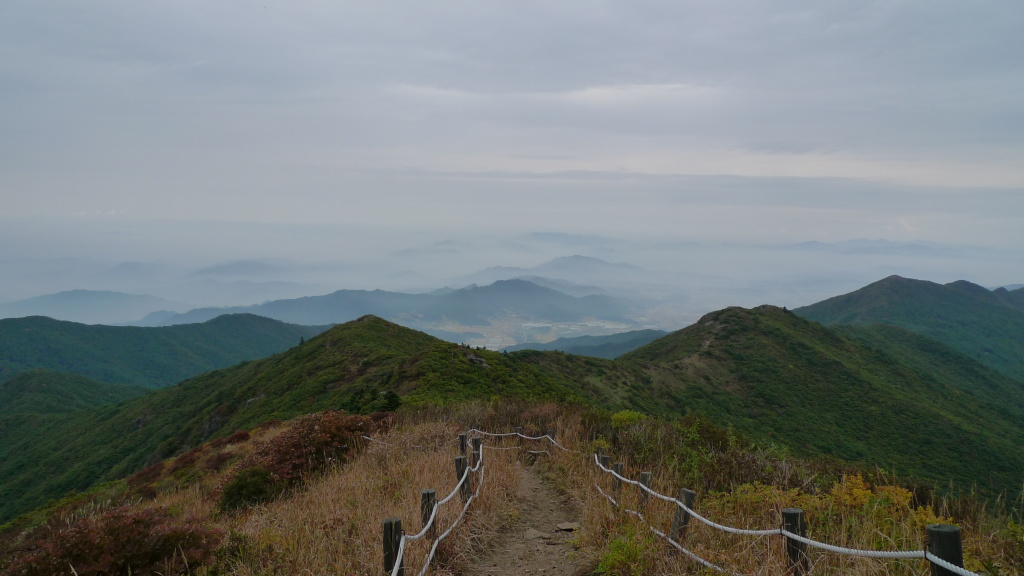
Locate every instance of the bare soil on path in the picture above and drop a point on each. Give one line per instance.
(535, 544)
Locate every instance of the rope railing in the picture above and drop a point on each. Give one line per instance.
(395, 539)
(396, 562)
(548, 437)
(795, 539)
(677, 545)
(417, 446)
(885, 554)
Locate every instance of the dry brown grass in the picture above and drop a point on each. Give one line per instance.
(333, 524)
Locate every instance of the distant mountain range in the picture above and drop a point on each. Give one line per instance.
(611, 346)
(470, 306)
(149, 357)
(89, 306)
(987, 325)
(870, 395)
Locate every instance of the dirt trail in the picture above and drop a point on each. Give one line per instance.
(535, 544)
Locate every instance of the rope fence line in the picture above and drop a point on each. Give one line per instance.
(798, 556)
(678, 546)
(441, 445)
(394, 537)
(394, 541)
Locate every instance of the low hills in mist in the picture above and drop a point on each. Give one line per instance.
(470, 306)
(89, 306)
(874, 395)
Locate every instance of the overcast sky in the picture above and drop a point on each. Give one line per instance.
(133, 129)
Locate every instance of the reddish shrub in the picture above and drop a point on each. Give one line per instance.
(217, 461)
(185, 460)
(140, 542)
(310, 442)
(146, 475)
(236, 438)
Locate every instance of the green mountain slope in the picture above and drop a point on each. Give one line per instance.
(921, 409)
(361, 366)
(49, 392)
(151, 357)
(611, 346)
(986, 325)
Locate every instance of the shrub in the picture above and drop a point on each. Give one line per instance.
(249, 487)
(217, 461)
(626, 418)
(147, 542)
(309, 443)
(236, 438)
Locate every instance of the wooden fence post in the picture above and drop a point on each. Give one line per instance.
(681, 520)
(645, 479)
(428, 499)
(796, 551)
(460, 469)
(392, 540)
(944, 542)
(477, 442)
(462, 444)
(519, 435)
(616, 483)
(605, 460)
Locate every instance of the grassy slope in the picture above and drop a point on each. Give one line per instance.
(987, 326)
(152, 357)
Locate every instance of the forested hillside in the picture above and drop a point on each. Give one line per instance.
(150, 357)
(984, 324)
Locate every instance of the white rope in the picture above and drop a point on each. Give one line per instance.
(689, 554)
(721, 527)
(433, 516)
(478, 430)
(417, 446)
(433, 549)
(505, 434)
(947, 565)
(889, 554)
(398, 557)
(854, 551)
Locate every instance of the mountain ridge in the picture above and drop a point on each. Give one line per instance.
(150, 357)
(764, 371)
(984, 324)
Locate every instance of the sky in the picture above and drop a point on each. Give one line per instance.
(355, 137)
